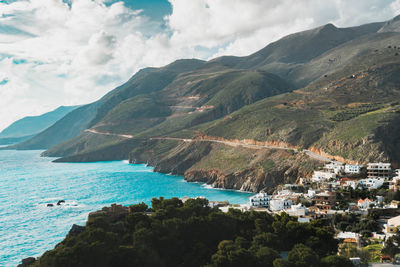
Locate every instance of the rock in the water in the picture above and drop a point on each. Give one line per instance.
(60, 201)
(50, 205)
(76, 229)
(26, 262)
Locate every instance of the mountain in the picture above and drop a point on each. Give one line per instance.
(291, 53)
(30, 126)
(13, 140)
(251, 122)
(391, 25)
(65, 128)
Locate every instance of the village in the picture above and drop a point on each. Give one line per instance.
(362, 204)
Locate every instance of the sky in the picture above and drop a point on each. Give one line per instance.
(71, 52)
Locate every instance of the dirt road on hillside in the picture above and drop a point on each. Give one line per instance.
(228, 143)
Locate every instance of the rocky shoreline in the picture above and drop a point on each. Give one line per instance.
(257, 170)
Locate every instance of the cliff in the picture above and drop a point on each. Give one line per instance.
(224, 166)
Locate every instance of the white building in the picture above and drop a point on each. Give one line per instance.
(319, 176)
(311, 193)
(364, 203)
(353, 169)
(260, 200)
(303, 220)
(392, 225)
(297, 210)
(241, 207)
(394, 184)
(371, 183)
(334, 167)
(346, 182)
(278, 204)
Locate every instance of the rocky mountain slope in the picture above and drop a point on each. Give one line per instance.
(329, 90)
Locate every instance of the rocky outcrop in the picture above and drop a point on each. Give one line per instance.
(76, 229)
(225, 166)
(110, 214)
(27, 261)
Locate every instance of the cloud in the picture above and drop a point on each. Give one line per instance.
(241, 27)
(55, 53)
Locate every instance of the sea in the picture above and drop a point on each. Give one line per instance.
(28, 183)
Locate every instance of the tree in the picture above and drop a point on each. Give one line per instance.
(336, 261)
(266, 256)
(390, 248)
(265, 240)
(229, 254)
(281, 263)
(303, 256)
(141, 207)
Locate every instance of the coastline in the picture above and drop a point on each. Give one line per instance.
(37, 181)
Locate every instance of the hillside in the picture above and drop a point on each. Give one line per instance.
(253, 122)
(29, 126)
(190, 99)
(345, 115)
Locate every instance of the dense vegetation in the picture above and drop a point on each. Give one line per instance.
(364, 225)
(173, 233)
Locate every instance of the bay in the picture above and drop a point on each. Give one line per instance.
(28, 182)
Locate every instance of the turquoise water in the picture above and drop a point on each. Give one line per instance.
(28, 183)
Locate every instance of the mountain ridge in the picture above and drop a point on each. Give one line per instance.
(32, 125)
(306, 90)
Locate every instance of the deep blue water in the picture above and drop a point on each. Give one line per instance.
(28, 182)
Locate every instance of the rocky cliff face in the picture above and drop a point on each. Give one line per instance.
(224, 166)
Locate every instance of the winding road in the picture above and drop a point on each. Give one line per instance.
(229, 143)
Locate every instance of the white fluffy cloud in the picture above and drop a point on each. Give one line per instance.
(53, 53)
(240, 27)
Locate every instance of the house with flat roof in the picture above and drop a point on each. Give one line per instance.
(325, 201)
(371, 183)
(379, 170)
(278, 204)
(320, 176)
(334, 167)
(260, 200)
(352, 169)
(392, 225)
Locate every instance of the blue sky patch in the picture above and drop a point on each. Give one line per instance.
(4, 81)
(17, 61)
(7, 29)
(155, 9)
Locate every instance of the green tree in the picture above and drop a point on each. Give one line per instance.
(265, 256)
(141, 207)
(336, 261)
(303, 256)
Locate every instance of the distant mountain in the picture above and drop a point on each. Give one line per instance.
(13, 140)
(30, 126)
(65, 128)
(243, 122)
